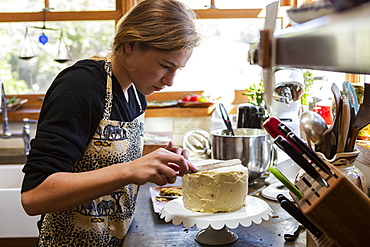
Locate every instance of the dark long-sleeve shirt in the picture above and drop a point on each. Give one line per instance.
(71, 112)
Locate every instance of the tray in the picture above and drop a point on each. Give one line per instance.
(158, 104)
(195, 104)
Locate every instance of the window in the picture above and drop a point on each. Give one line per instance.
(220, 61)
(227, 4)
(82, 5)
(89, 32)
(21, 6)
(83, 39)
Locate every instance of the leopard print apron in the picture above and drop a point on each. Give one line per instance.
(106, 220)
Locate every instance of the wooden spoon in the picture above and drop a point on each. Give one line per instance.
(330, 136)
(361, 119)
(344, 124)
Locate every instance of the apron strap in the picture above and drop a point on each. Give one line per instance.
(109, 90)
(137, 98)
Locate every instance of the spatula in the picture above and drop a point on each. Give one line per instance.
(226, 118)
(349, 91)
(211, 164)
(361, 119)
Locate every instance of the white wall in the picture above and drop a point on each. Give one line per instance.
(175, 128)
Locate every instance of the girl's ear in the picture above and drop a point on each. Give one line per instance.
(130, 47)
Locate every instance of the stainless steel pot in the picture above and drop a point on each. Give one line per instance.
(252, 146)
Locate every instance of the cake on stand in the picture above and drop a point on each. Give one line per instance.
(214, 225)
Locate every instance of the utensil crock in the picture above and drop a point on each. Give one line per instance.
(346, 163)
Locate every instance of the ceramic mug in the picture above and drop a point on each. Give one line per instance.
(250, 116)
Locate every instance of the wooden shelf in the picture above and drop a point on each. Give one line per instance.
(32, 108)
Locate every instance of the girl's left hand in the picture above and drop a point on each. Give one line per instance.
(177, 150)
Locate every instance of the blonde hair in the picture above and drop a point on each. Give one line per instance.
(164, 25)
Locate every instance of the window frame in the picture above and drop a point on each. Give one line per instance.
(122, 6)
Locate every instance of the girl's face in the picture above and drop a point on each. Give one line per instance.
(151, 70)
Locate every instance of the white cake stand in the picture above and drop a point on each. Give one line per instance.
(214, 226)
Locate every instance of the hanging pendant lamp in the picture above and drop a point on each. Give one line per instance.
(63, 55)
(26, 52)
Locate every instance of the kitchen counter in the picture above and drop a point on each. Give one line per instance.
(149, 230)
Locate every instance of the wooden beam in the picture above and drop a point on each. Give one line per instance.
(227, 13)
(353, 78)
(60, 16)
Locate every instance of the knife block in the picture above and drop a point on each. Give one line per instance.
(322, 241)
(341, 211)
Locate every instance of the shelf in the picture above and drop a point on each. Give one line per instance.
(32, 108)
(336, 42)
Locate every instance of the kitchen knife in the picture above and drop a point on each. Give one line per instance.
(300, 160)
(275, 171)
(305, 149)
(271, 126)
(297, 214)
(292, 233)
(275, 128)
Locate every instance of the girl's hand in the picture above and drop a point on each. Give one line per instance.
(177, 150)
(161, 166)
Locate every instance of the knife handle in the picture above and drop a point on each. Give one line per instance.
(286, 182)
(272, 124)
(297, 214)
(300, 160)
(305, 149)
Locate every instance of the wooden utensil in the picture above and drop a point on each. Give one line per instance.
(344, 124)
(330, 136)
(361, 119)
